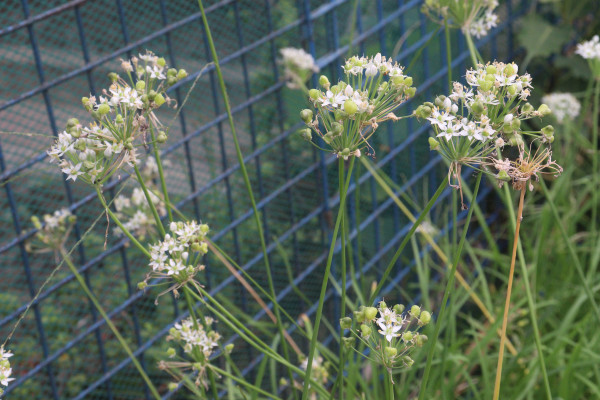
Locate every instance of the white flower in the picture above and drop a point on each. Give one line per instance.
(72, 171)
(564, 106)
(589, 49)
(196, 337)
(298, 58)
(155, 72)
(334, 100)
(390, 331)
(5, 369)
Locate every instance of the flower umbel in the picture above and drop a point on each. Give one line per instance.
(5, 368)
(298, 67)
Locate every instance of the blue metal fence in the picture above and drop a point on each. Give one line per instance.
(54, 52)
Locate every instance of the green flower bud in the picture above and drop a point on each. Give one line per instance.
(425, 318)
(346, 153)
(390, 352)
(370, 313)
(486, 86)
(439, 101)
(159, 100)
(544, 110)
(306, 134)
(314, 94)
(229, 348)
(516, 140)
(349, 342)
(382, 304)
(171, 80)
(359, 316)
(324, 81)
(350, 107)
(399, 308)
(142, 285)
(103, 109)
(171, 352)
(516, 124)
(74, 132)
(398, 80)
(181, 74)
(328, 138)
(433, 144)
(161, 62)
(162, 137)
(145, 99)
(306, 115)
(415, 311)
(152, 95)
(87, 165)
(512, 90)
(548, 131)
(527, 108)
(72, 122)
(346, 323)
(408, 81)
(490, 78)
(477, 108)
(172, 386)
(365, 331)
(410, 92)
(509, 70)
(204, 229)
(503, 176)
(406, 360)
(490, 69)
(171, 72)
(337, 128)
(36, 222)
(140, 85)
(339, 115)
(420, 340)
(407, 336)
(113, 77)
(507, 128)
(423, 111)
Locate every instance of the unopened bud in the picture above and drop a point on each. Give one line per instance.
(407, 336)
(548, 131)
(171, 352)
(113, 77)
(433, 144)
(159, 100)
(314, 94)
(306, 115)
(350, 107)
(324, 81)
(349, 342)
(420, 340)
(399, 308)
(140, 85)
(103, 109)
(181, 74)
(415, 311)
(306, 134)
(544, 110)
(346, 323)
(142, 285)
(390, 352)
(365, 330)
(229, 348)
(425, 318)
(503, 176)
(370, 313)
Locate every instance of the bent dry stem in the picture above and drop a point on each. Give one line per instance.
(511, 274)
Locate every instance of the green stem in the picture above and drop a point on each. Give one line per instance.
(472, 50)
(449, 285)
(240, 158)
(595, 161)
(159, 224)
(572, 252)
(109, 323)
(243, 382)
(315, 334)
(161, 174)
(448, 55)
(343, 268)
(390, 386)
(119, 224)
(392, 263)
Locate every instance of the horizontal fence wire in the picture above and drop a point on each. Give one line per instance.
(58, 51)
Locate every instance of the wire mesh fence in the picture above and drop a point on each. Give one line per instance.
(55, 52)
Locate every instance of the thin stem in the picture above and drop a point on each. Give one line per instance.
(161, 174)
(390, 386)
(472, 50)
(511, 274)
(410, 233)
(595, 160)
(448, 55)
(157, 219)
(343, 268)
(119, 224)
(109, 323)
(449, 285)
(240, 157)
(315, 333)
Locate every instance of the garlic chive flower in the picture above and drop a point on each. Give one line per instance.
(319, 372)
(477, 118)
(590, 50)
(473, 17)
(176, 257)
(122, 117)
(5, 368)
(564, 106)
(53, 232)
(298, 66)
(198, 341)
(349, 112)
(391, 333)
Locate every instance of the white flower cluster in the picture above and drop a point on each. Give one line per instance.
(135, 212)
(202, 338)
(94, 153)
(298, 66)
(351, 110)
(589, 50)
(54, 231)
(5, 368)
(481, 26)
(564, 106)
(172, 256)
(319, 371)
(389, 323)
